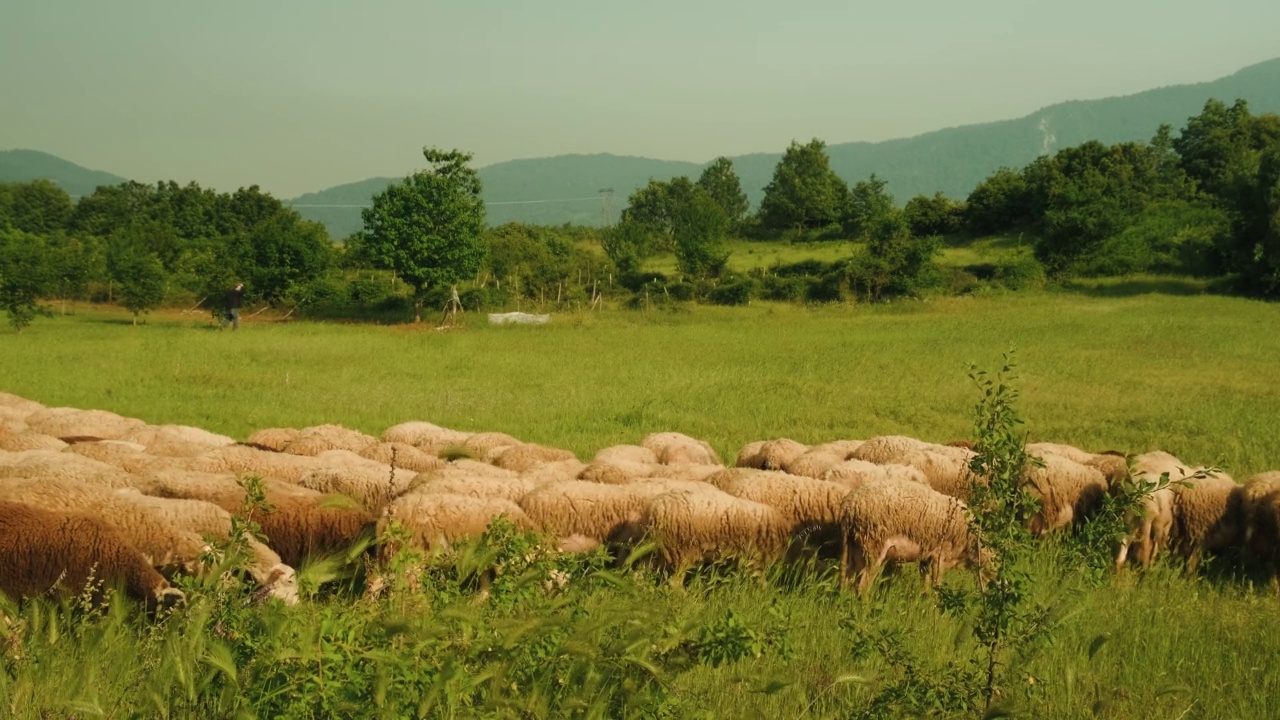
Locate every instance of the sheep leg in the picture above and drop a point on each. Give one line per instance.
(844, 561)
(1122, 555)
(1146, 544)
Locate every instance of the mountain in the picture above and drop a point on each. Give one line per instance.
(953, 160)
(18, 166)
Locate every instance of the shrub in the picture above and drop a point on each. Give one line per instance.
(1020, 273)
(733, 292)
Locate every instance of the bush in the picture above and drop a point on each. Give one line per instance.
(367, 291)
(784, 289)
(959, 281)
(1020, 273)
(733, 292)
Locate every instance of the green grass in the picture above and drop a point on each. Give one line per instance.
(1136, 364)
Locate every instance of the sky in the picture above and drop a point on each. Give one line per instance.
(299, 95)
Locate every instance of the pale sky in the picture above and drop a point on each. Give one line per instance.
(300, 95)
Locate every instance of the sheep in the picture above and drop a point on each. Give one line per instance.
(577, 507)
(512, 489)
(1150, 529)
(693, 527)
(277, 579)
(673, 447)
(318, 439)
(559, 471)
(853, 473)
(617, 472)
(811, 507)
(748, 456)
(813, 463)
(1209, 516)
(18, 404)
(184, 437)
(402, 455)
(692, 472)
(167, 548)
(1261, 509)
(948, 474)
(62, 466)
(1067, 490)
(886, 448)
(28, 440)
(273, 439)
(527, 456)
(372, 488)
(773, 454)
(117, 453)
(71, 422)
(439, 520)
(244, 460)
(893, 521)
(300, 523)
(844, 449)
(619, 454)
(430, 438)
(482, 444)
(43, 550)
(1113, 465)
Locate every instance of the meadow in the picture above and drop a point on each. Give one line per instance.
(1102, 366)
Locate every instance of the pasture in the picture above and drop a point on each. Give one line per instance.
(1101, 366)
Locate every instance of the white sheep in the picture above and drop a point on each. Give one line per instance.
(694, 527)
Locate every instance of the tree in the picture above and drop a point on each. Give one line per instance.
(39, 207)
(937, 215)
(721, 182)
(804, 192)
(429, 228)
(627, 245)
(998, 203)
(138, 274)
(680, 216)
(893, 260)
(24, 276)
(868, 204)
(1215, 145)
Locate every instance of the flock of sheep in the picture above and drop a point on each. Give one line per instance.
(88, 494)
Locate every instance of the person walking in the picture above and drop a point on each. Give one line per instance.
(232, 305)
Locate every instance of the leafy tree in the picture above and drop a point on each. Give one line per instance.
(429, 228)
(1215, 145)
(998, 203)
(112, 207)
(24, 276)
(1254, 246)
(937, 215)
(680, 216)
(894, 261)
(804, 192)
(279, 251)
(137, 273)
(869, 204)
(720, 180)
(627, 245)
(39, 207)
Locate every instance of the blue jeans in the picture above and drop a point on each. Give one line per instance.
(232, 316)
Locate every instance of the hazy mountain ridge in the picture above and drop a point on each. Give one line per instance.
(564, 188)
(26, 165)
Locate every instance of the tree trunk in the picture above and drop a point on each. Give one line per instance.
(135, 319)
(417, 307)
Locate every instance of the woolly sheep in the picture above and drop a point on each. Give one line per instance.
(273, 439)
(1261, 509)
(156, 437)
(402, 455)
(1150, 529)
(673, 447)
(617, 454)
(430, 438)
(811, 507)
(693, 527)
(243, 460)
(42, 550)
(482, 444)
(373, 488)
(748, 456)
(29, 440)
(844, 449)
(317, 439)
(583, 508)
(886, 448)
(301, 523)
(44, 464)
(520, 458)
(1209, 516)
(208, 520)
(439, 520)
(1112, 465)
(71, 422)
(617, 472)
(117, 453)
(512, 489)
(167, 548)
(692, 472)
(813, 463)
(891, 521)
(852, 473)
(559, 471)
(948, 474)
(1067, 491)
(775, 454)
(19, 404)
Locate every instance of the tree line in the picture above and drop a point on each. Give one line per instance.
(1205, 202)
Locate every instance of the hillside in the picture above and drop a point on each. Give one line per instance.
(28, 165)
(951, 160)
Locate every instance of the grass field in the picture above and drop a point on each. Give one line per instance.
(1103, 366)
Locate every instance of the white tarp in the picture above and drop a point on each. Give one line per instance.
(518, 318)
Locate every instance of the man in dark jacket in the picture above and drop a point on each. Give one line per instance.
(232, 304)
